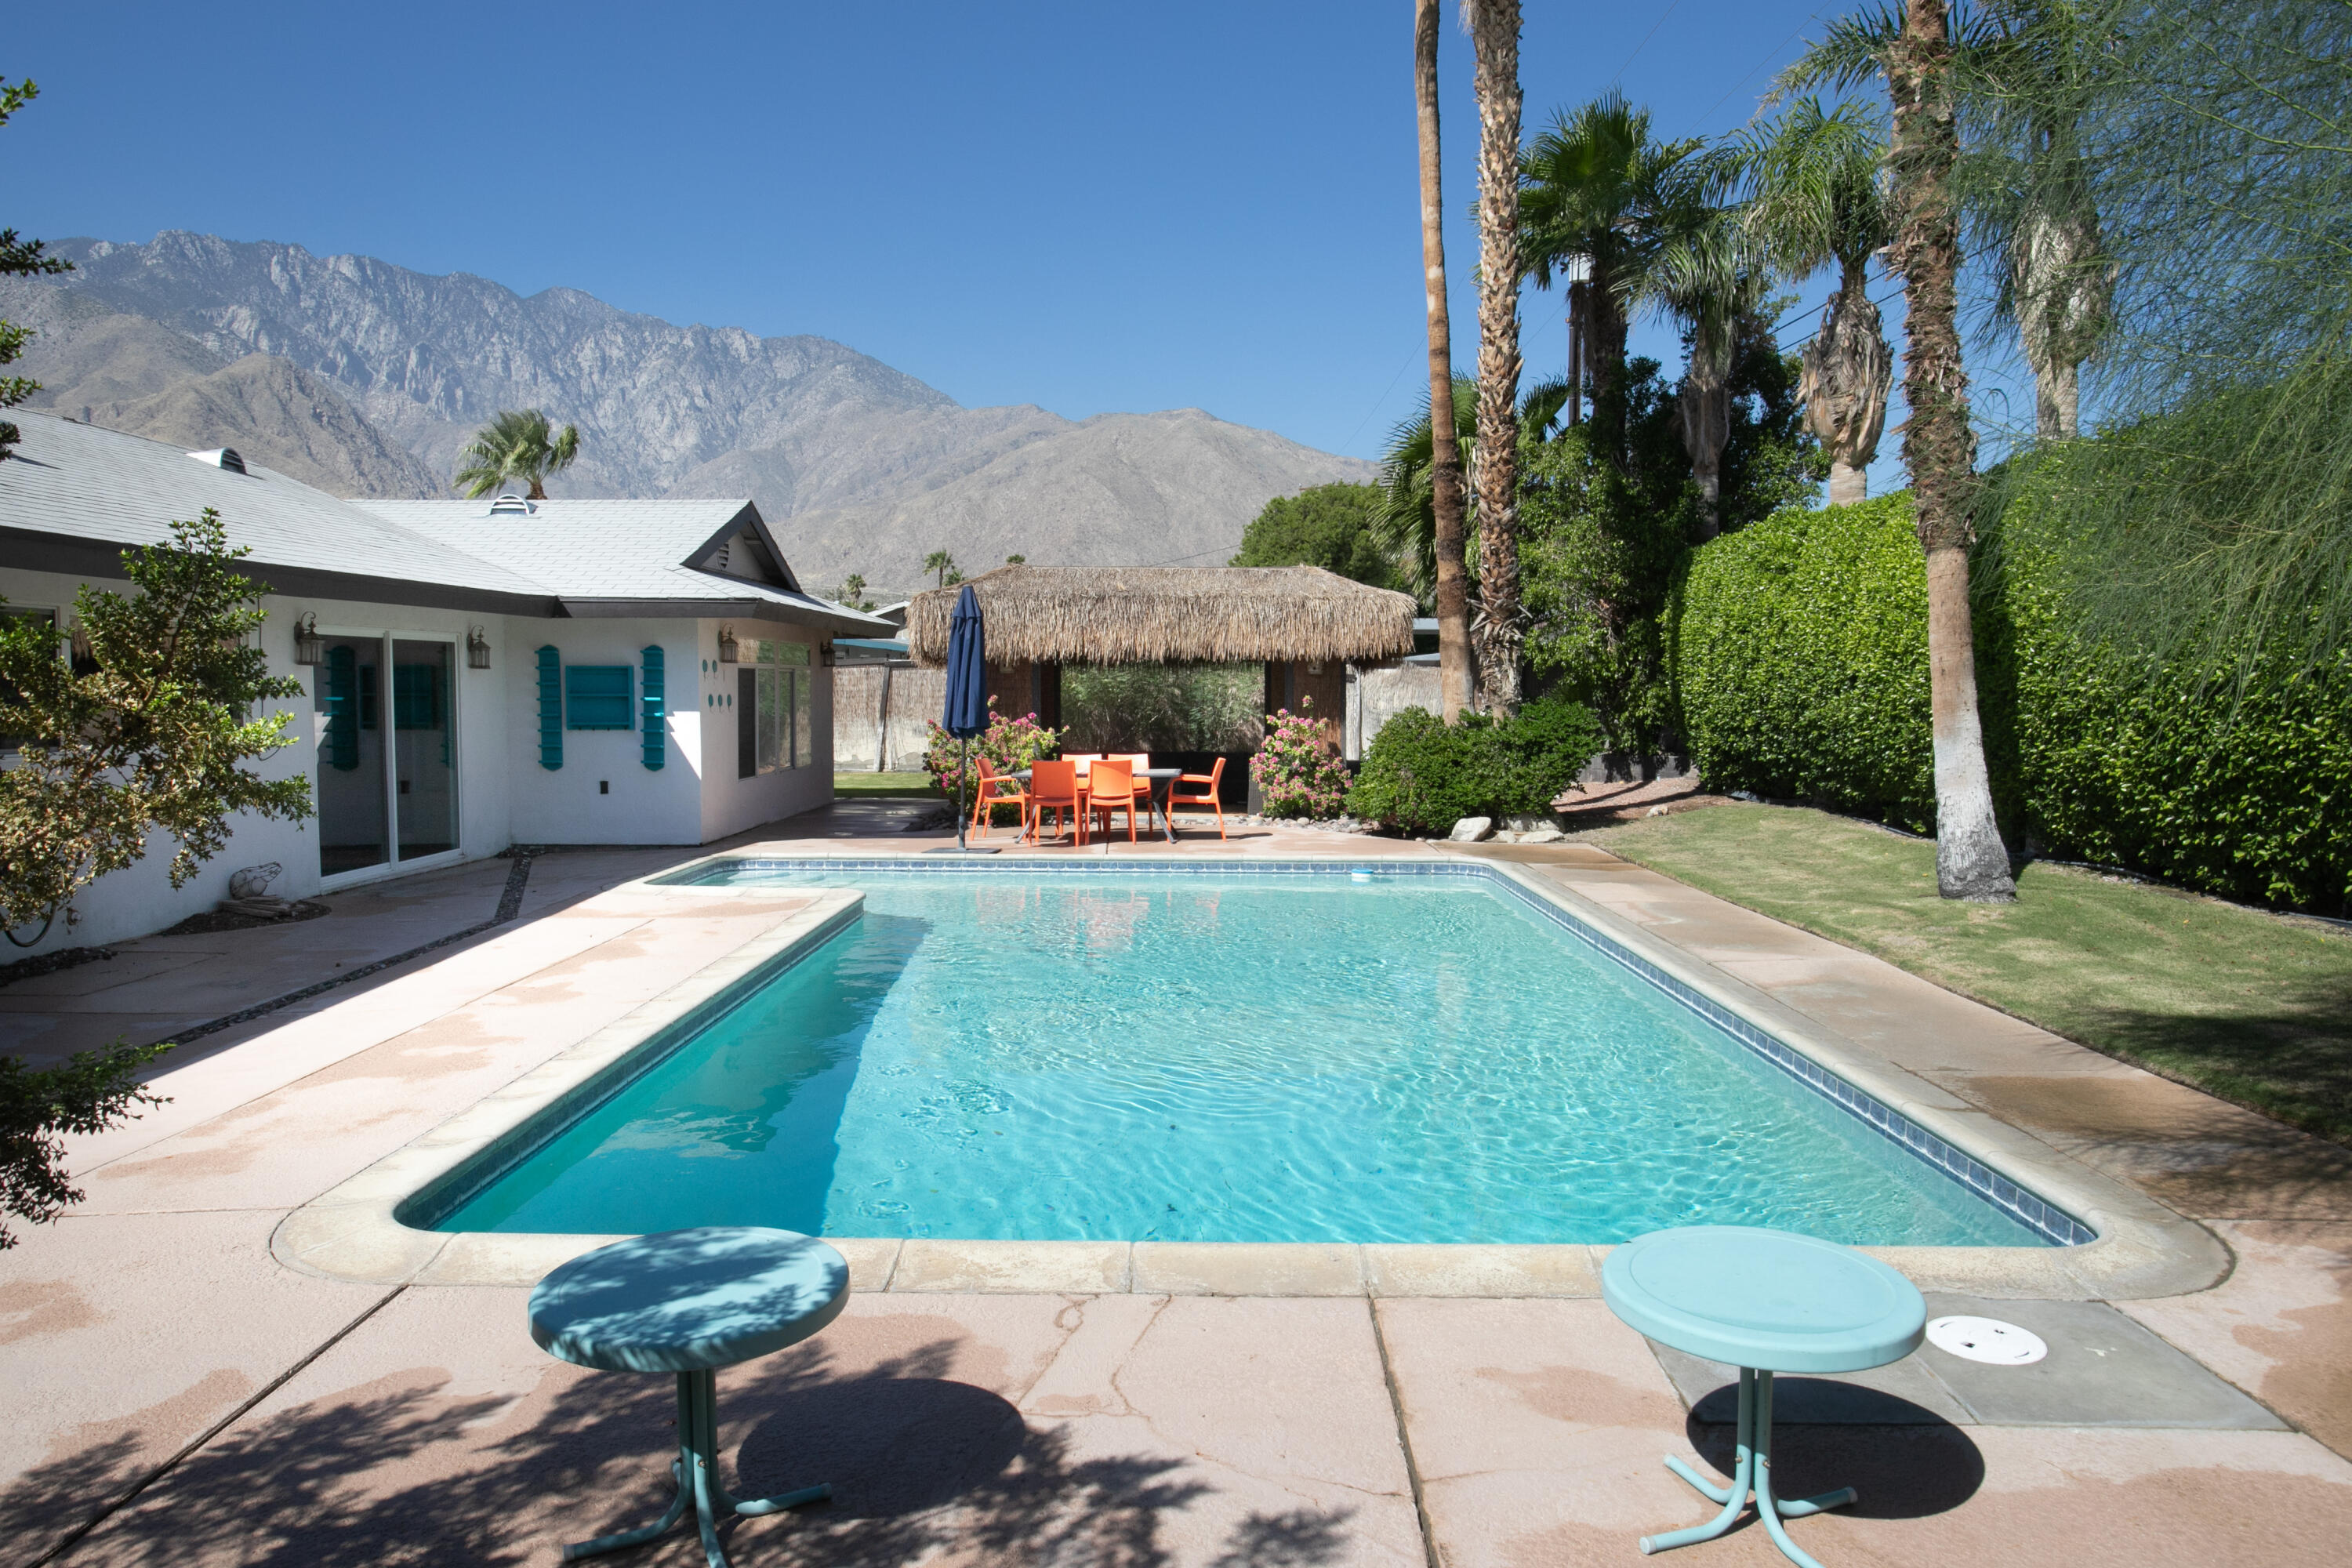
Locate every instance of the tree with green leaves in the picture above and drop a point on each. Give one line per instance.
(1335, 527)
(18, 259)
(518, 446)
(1592, 187)
(852, 592)
(1016, 560)
(152, 733)
(1408, 527)
(941, 562)
(1810, 193)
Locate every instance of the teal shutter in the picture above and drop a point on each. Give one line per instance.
(342, 709)
(596, 697)
(550, 710)
(652, 692)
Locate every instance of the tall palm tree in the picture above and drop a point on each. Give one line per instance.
(1709, 276)
(1915, 54)
(1590, 188)
(1406, 528)
(1813, 197)
(517, 445)
(1447, 501)
(1495, 40)
(941, 562)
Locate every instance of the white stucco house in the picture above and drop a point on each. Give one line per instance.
(479, 674)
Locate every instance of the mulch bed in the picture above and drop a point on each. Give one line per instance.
(219, 921)
(50, 963)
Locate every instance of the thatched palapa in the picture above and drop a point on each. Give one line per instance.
(1168, 614)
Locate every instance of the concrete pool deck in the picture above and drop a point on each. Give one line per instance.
(274, 1414)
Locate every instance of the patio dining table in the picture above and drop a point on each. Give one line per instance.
(1163, 784)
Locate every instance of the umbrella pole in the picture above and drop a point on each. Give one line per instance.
(962, 763)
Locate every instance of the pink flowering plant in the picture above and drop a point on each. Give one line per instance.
(1009, 743)
(1298, 769)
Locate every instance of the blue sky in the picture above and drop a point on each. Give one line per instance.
(1092, 207)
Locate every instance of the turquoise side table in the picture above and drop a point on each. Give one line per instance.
(690, 1301)
(1765, 1302)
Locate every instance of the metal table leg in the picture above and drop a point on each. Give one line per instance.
(1751, 1473)
(695, 1471)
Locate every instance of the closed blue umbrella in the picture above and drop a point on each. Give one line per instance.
(966, 710)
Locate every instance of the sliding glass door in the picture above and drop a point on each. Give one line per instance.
(385, 710)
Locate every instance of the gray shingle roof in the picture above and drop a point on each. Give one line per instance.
(72, 483)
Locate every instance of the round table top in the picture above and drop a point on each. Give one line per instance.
(683, 1300)
(1769, 1299)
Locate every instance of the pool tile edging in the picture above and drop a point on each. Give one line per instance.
(354, 1232)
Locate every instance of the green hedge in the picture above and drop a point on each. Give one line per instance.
(1423, 775)
(1800, 660)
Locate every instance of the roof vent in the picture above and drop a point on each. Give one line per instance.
(511, 505)
(221, 458)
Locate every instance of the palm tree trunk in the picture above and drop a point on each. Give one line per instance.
(1444, 456)
(1848, 484)
(1704, 407)
(2056, 401)
(1846, 373)
(1940, 449)
(1495, 39)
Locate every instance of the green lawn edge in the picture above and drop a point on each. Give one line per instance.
(2249, 1006)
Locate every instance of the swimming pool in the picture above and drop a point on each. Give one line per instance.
(1174, 1053)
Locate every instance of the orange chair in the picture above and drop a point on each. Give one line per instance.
(1054, 787)
(1084, 759)
(996, 789)
(1136, 762)
(1110, 786)
(1207, 797)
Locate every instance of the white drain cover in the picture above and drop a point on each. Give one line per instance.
(1987, 1339)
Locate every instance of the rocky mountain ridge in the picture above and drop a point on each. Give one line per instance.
(862, 467)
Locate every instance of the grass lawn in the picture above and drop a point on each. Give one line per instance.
(885, 783)
(2250, 1007)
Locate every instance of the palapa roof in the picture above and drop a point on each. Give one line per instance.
(1168, 614)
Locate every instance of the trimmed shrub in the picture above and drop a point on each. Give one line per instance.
(1298, 770)
(1420, 774)
(1009, 743)
(1801, 660)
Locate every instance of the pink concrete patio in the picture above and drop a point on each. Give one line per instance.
(266, 1414)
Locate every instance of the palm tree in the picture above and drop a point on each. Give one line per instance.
(1447, 500)
(519, 444)
(1709, 276)
(1588, 188)
(1406, 527)
(1915, 54)
(1813, 197)
(1495, 41)
(941, 562)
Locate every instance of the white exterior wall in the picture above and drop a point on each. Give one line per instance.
(637, 804)
(731, 804)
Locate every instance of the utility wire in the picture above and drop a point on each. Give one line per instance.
(1619, 72)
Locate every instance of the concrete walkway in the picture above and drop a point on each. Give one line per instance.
(265, 1416)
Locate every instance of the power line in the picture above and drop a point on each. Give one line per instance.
(1645, 44)
(1766, 60)
(1375, 408)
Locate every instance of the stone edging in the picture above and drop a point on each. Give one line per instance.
(355, 1231)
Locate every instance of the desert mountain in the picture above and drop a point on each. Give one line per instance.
(862, 467)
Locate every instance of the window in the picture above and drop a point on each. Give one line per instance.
(774, 730)
(596, 697)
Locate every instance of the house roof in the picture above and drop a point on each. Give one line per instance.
(73, 495)
(1156, 615)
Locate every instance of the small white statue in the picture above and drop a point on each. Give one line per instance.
(254, 880)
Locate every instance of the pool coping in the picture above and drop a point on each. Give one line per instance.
(355, 1232)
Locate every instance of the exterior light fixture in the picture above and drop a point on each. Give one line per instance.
(478, 649)
(309, 649)
(728, 647)
(824, 655)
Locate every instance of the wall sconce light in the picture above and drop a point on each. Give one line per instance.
(824, 655)
(309, 648)
(728, 647)
(85, 658)
(478, 649)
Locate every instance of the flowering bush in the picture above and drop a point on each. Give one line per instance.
(1298, 770)
(1010, 744)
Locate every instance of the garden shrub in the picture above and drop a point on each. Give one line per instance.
(1800, 656)
(1298, 769)
(1009, 743)
(1421, 775)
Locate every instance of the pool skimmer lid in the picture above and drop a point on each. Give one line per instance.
(1988, 1340)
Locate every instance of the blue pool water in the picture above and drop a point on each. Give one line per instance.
(1154, 1056)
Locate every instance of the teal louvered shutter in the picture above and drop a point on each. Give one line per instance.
(550, 709)
(342, 709)
(651, 695)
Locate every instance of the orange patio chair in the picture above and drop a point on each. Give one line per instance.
(1136, 762)
(1207, 797)
(1110, 786)
(1053, 786)
(996, 789)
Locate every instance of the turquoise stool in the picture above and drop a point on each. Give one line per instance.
(1765, 1302)
(690, 1301)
